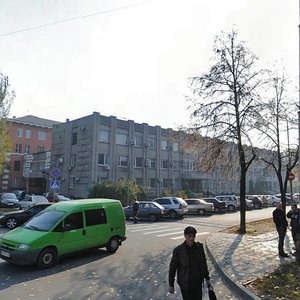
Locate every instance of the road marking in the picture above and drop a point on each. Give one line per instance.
(170, 233)
(142, 229)
(157, 231)
(180, 237)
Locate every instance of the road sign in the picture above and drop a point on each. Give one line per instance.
(56, 173)
(54, 184)
(291, 176)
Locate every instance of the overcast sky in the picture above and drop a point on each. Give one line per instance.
(130, 58)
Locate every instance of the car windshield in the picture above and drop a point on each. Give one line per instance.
(44, 220)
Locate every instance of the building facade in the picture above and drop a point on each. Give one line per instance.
(29, 134)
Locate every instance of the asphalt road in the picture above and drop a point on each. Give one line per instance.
(139, 270)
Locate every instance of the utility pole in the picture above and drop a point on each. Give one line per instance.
(299, 100)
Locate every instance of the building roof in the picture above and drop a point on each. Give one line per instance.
(35, 121)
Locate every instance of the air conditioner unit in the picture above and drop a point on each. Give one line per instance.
(70, 168)
(61, 159)
(81, 127)
(132, 142)
(106, 167)
(147, 144)
(147, 163)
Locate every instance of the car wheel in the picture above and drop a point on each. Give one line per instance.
(152, 218)
(256, 206)
(201, 211)
(231, 208)
(12, 223)
(217, 210)
(173, 214)
(47, 258)
(113, 245)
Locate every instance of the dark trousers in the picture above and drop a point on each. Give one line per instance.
(281, 233)
(192, 293)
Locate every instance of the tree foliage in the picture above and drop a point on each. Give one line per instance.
(225, 105)
(6, 100)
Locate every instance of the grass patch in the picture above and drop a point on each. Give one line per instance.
(283, 283)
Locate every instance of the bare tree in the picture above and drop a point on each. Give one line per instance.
(278, 120)
(226, 103)
(6, 100)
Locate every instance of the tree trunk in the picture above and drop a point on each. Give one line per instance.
(243, 200)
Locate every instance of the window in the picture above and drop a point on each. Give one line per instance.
(163, 145)
(152, 143)
(151, 163)
(40, 149)
(189, 165)
(72, 182)
(104, 136)
(164, 164)
(165, 183)
(139, 181)
(95, 216)
(175, 164)
(19, 132)
(139, 141)
(138, 163)
(151, 183)
(121, 139)
(163, 201)
(28, 133)
(175, 147)
(17, 165)
(75, 220)
(41, 135)
(102, 159)
(18, 148)
(27, 148)
(73, 160)
(74, 138)
(123, 161)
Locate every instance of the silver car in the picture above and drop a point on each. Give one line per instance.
(199, 206)
(174, 207)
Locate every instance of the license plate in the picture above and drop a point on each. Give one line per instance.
(4, 253)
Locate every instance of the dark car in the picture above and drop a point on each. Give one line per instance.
(9, 200)
(147, 210)
(219, 205)
(13, 219)
(256, 201)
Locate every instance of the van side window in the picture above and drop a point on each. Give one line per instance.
(75, 220)
(95, 216)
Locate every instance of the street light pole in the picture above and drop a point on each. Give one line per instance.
(299, 98)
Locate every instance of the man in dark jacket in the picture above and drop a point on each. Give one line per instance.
(189, 261)
(281, 226)
(294, 215)
(135, 211)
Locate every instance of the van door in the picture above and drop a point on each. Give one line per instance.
(98, 231)
(73, 240)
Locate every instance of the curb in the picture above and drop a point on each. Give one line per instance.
(236, 286)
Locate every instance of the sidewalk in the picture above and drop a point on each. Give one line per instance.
(240, 258)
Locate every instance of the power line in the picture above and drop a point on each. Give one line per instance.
(72, 19)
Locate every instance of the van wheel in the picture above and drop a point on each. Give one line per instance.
(231, 208)
(173, 214)
(11, 223)
(152, 218)
(201, 212)
(47, 258)
(112, 245)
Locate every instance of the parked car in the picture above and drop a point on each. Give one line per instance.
(61, 198)
(256, 201)
(231, 200)
(147, 210)
(264, 200)
(199, 206)
(249, 204)
(273, 200)
(29, 201)
(219, 205)
(14, 219)
(174, 207)
(9, 200)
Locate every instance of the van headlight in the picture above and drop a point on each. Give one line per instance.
(23, 246)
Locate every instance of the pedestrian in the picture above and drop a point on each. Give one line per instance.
(23, 194)
(189, 262)
(135, 211)
(294, 215)
(281, 226)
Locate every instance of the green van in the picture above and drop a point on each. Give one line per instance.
(63, 228)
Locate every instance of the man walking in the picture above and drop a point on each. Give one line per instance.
(281, 226)
(135, 210)
(189, 261)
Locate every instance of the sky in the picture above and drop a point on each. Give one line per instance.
(131, 58)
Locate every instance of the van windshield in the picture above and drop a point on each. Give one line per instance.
(44, 220)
